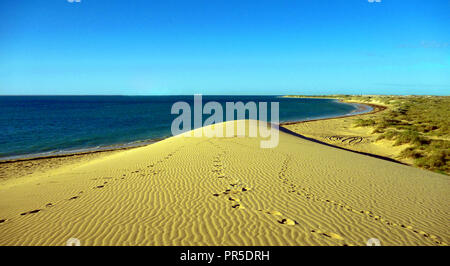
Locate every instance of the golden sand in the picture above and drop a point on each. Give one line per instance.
(227, 191)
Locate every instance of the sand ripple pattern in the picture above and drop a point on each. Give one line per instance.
(228, 191)
(306, 192)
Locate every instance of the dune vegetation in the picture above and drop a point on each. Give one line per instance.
(421, 123)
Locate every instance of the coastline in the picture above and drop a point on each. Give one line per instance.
(340, 133)
(375, 109)
(414, 130)
(291, 128)
(119, 131)
(24, 166)
(142, 143)
(80, 151)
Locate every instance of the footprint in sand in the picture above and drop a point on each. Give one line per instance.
(236, 203)
(99, 186)
(231, 191)
(350, 209)
(237, 206)
(406, 226)
(75, 197)
(49, 205)
(287, 221)
(234, 199)
(423, 233)
(30, 212)
(328, 234)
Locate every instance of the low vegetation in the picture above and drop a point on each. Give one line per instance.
(421, 123)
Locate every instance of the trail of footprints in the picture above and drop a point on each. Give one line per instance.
(232, 192)
(218, 166)
(293, 188)
(236, 188)
(152, 171)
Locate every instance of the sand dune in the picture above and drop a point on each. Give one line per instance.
(228, 191)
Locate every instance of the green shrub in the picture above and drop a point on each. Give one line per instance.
(438, 161)
(414, 120)
(364, 122)
(389, 135)
(411, 152)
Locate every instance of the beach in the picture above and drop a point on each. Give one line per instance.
(412, 130)
(341, 132)
(226, 191)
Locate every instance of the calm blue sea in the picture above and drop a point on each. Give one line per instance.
(44, 125)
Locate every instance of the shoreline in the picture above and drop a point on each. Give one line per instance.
(375, 109)
(83, 151)
(67, 154)
(143, 143)
(26, 166)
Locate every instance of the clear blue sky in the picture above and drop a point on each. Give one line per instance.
(150, 47)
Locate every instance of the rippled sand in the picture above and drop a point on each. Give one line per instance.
(227, 191)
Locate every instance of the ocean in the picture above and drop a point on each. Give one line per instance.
(48, 125)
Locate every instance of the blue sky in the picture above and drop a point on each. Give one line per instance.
(150, 47)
